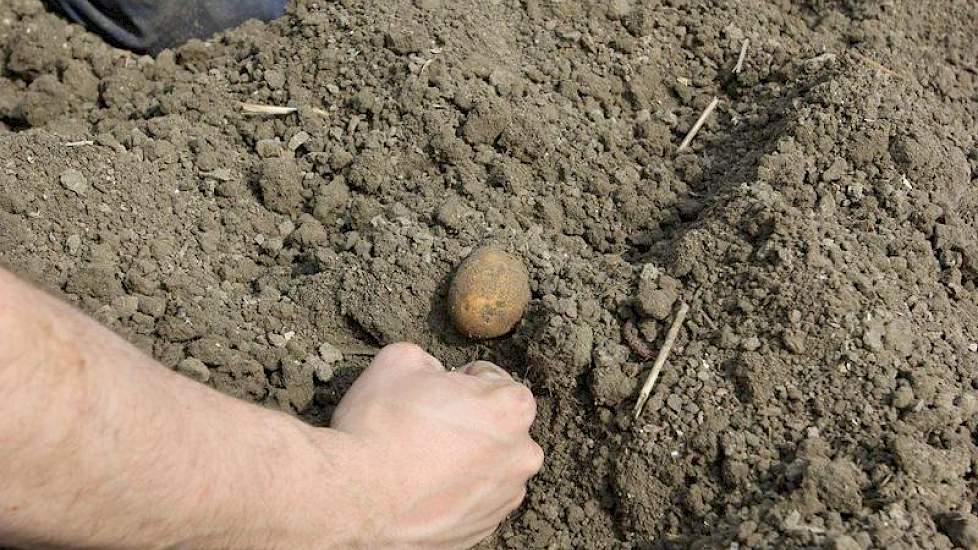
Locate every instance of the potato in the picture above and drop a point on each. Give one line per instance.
(489, 293)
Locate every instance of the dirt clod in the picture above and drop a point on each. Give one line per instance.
(281, 188)
(961, 528)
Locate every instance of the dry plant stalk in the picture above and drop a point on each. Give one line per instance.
(743, 56)
(677, 323)
(271, 110)
(699, 124)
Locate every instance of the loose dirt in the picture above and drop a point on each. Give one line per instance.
(822, 228)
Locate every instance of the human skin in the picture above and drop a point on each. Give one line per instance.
(105, 448)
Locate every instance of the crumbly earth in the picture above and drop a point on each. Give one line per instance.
(822, 228)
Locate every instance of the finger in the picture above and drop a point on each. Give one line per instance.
(486, 371)
(404, 356)
(515, 405)
(533, 459)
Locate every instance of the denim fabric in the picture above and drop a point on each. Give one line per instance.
(153, 25)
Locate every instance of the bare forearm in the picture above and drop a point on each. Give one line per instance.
(105, 448)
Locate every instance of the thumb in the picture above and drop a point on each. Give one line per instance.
(487, 371)
(402, 358)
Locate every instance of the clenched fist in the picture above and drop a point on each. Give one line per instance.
(451, 451)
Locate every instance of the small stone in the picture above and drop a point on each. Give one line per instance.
(649, 330)
(898, 336)
(275, 79)
(835, 171)
(973, 347)
(968, 404)
(330, 354)
(277, 340)
(74, 181)
(844, 542)
(452, 213)
(745, 305)
(903, 397)
(618, 9)
(273, 245)
(310, 233)
(650, 274)
(340, 159)
(365, 102)
(322, 370)
(286, 228)
(873, 337)
(230, 189)
(728, 339)
(751, 344)
(299, 140)
(195, 369)
(794, 341)
(154, 306)
(405, 39)
(72, 243)
(675, 402)
(961, 528)
(268, 148)
(126, 305)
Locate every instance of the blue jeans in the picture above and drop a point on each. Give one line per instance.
(154, 25)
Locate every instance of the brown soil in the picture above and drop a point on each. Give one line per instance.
(822, 227)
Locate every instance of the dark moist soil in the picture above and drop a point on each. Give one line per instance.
(822, 228)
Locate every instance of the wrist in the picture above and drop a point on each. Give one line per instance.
(306, 488)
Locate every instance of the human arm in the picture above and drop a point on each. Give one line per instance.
(103, 447)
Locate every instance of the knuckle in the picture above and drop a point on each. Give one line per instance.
(485, 369)
(402, 350)
(520, 398)
(407, 354)
(534, 458)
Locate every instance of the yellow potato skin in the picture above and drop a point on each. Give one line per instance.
(489, 293)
